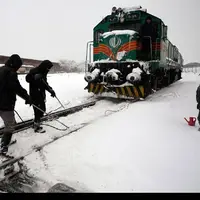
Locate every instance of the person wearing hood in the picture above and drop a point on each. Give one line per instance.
(37, 79)
(9, 88)
(198, 103)
(147, 30)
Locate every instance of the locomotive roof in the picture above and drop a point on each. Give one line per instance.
(131, 10)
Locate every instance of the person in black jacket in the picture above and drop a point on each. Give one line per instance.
(148, 29)
(198, 102)
(9, 88)
(37, 79)
(148, 36)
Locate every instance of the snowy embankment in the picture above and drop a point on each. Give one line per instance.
(146, 147)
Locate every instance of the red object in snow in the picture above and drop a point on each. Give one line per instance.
(191, 121)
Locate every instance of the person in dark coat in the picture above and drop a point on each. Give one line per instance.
(9, 88)
(37, 79)
(198, 102)
(147, 30)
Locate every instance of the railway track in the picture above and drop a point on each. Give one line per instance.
(16, 162)
(29, 123)
(22, 171)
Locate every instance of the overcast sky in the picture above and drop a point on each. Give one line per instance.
(60, 29)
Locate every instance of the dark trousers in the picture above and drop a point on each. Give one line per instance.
(39, 113)
(146, 50)
(8, 118)
(198, 118)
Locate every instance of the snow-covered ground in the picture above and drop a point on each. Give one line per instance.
(145, 147)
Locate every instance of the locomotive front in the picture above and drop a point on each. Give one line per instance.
(116, 71)
(130, 55)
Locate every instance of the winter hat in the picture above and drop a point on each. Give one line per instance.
(47, 63)
(14, 61)
(45, 66)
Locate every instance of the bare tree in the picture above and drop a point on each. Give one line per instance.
(69, 66)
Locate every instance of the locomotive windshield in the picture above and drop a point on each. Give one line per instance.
(125, 26)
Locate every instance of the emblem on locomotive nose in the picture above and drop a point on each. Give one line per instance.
(114, 42)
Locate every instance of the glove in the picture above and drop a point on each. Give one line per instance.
(53, 94)
(28, 101)
(38, 76)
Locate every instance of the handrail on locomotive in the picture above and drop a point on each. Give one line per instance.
(88, 51)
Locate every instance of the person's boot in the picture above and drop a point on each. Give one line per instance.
(5, 141)
(3, 150)
(38, 128)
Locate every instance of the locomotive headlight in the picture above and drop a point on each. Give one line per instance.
(119, 9)
(114, 9)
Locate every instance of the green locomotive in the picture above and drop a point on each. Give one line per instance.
(130, 55)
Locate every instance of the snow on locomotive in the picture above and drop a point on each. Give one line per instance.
(130, 55)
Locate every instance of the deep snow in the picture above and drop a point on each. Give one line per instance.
(145, 147)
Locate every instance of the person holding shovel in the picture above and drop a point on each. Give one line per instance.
(10, 87)
(37, 79)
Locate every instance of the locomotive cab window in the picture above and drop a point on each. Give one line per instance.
(97, 35)
(135, 26)
(164, 31)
